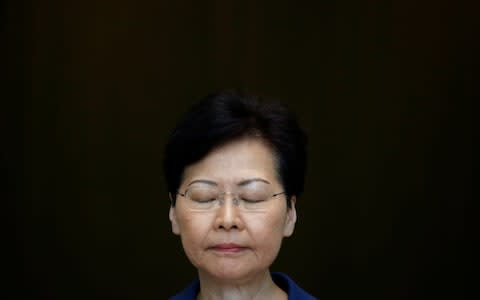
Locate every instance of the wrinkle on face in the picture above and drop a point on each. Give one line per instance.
(262, 232)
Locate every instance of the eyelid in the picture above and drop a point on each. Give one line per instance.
(251, 200)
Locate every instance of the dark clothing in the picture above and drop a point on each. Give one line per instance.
(293, 291)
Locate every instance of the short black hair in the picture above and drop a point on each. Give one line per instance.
(229, 115)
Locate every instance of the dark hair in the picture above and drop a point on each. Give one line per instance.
(225, 116)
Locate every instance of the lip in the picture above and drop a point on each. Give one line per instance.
(228, 248)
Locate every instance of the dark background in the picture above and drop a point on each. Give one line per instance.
(383, 88)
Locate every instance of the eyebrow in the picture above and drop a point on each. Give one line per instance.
(209, 182)
(241, 183)
(248, 181)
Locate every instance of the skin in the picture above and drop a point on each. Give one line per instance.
(244, 274)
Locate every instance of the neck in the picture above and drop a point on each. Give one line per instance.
(260, 286)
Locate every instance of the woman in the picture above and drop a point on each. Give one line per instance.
(234, 168)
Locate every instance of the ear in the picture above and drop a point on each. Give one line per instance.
(290, 219)
(172, 215)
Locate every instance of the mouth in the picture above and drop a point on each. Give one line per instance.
(228, 248)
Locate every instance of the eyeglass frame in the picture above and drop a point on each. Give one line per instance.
(235, 199)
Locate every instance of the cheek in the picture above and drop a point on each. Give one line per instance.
(267, 232)
(193, 231)
(191, 224)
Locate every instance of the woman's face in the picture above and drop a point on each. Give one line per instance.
(229, 242)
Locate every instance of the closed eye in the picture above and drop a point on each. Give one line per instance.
(252, 200)
(204, 200)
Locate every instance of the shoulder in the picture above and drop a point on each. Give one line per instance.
(294, 291)
(190, 293)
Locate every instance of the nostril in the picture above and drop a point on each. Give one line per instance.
(228, 227)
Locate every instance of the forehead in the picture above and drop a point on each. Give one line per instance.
(235, 161)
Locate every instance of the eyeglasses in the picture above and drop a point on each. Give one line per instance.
(206, 197)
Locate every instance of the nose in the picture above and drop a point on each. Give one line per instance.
(228, 216)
